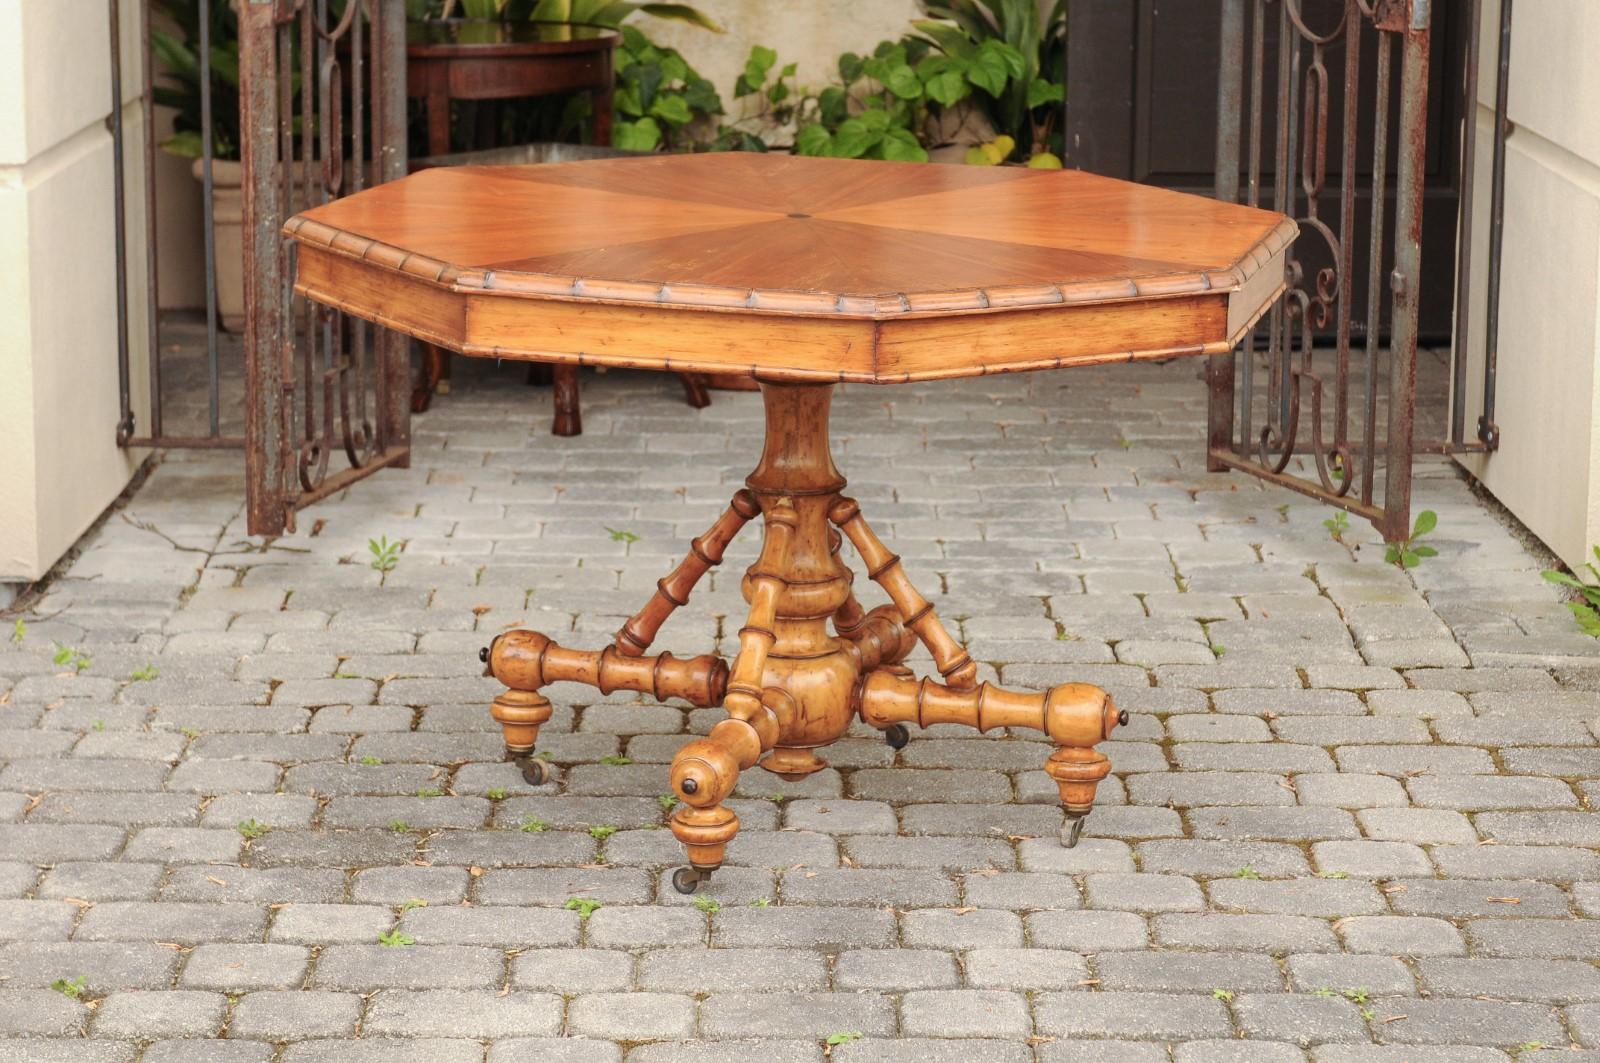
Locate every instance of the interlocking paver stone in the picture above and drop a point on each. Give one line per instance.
(1341, 822)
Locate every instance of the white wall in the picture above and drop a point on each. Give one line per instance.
(59, 463)
(1547, 470)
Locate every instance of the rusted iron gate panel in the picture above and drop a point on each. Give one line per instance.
(1276, 411)
(322, 114)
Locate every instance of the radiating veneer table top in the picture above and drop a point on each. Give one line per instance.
(792, 268)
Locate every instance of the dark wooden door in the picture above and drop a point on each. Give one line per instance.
(1142, 105)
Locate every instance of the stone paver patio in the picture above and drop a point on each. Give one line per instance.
(1350, 821)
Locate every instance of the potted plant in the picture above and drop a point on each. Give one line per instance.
(176, 45)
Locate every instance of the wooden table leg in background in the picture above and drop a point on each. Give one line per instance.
(794, 687)
(569, 418)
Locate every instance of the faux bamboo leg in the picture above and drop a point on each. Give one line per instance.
(569, 418)
(673, 591)
(959, 670)
(527, 661)
(1076, 716)
(705, 771)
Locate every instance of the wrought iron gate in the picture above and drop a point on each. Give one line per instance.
(1336, 424)
(322, 113)
(310, 372)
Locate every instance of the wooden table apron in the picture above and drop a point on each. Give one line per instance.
(811, 657)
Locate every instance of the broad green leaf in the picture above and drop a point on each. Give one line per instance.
(874, 119)
(1424, 550)
(948, 88)
(988, 71)
(647, 77)
(1427, 520)
(672, 109)
(814, 140)
(900, 145)
(626, 100)
(778, 92)
(833, 105)
(788, 70)
(1041, 92)
(854, 139)
(850, 68)
(643, 135)
(673, 68)
(1016, 66)
(760, 61)
(903, 82)
(702, 96)
(743, 86)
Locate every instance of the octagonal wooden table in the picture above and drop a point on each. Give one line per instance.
(801, 273)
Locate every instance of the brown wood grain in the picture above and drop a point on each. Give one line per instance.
(793, 268)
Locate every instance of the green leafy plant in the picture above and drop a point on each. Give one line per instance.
(601, 833)
(1407, 552)
(1586, 611)
(1025, 105)
(1337, 525)
(175, 40)
(371, 761)
(72, 988)
(1218, 649)
(1356, 996)
(399, 826)
(1247, 871)
(835, 1039)
(761, 902)
(396, 939)
(19, 631)
(875, 110)
(252, 829)
(430, 791)
(668, 802)
(385, 555)
(414, 902)
(530, 825)
(495, 793)
(71, 657)
(1223, 995)
(659, 96)
(144, 673)
(616, 761)
(584, 906)
(707, 905)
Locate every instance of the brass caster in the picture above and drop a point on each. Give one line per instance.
(688, 879)
(896, 735)
(1072, 830)
(535, 772)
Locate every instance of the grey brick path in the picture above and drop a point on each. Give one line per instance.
(1351, 821)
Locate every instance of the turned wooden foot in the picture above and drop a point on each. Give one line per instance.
(794, 685)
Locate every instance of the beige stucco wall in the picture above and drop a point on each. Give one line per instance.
(59, 462)
(1547, 470)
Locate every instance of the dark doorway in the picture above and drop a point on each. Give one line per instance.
(1142, 105)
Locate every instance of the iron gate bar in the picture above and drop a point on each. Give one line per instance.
(1346, 468)
(1488, 430)
(126, 426)
(307, 367)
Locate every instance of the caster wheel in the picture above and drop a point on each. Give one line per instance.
(1071, 831)
(688, 879)
(896, 736)
(535, 772)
